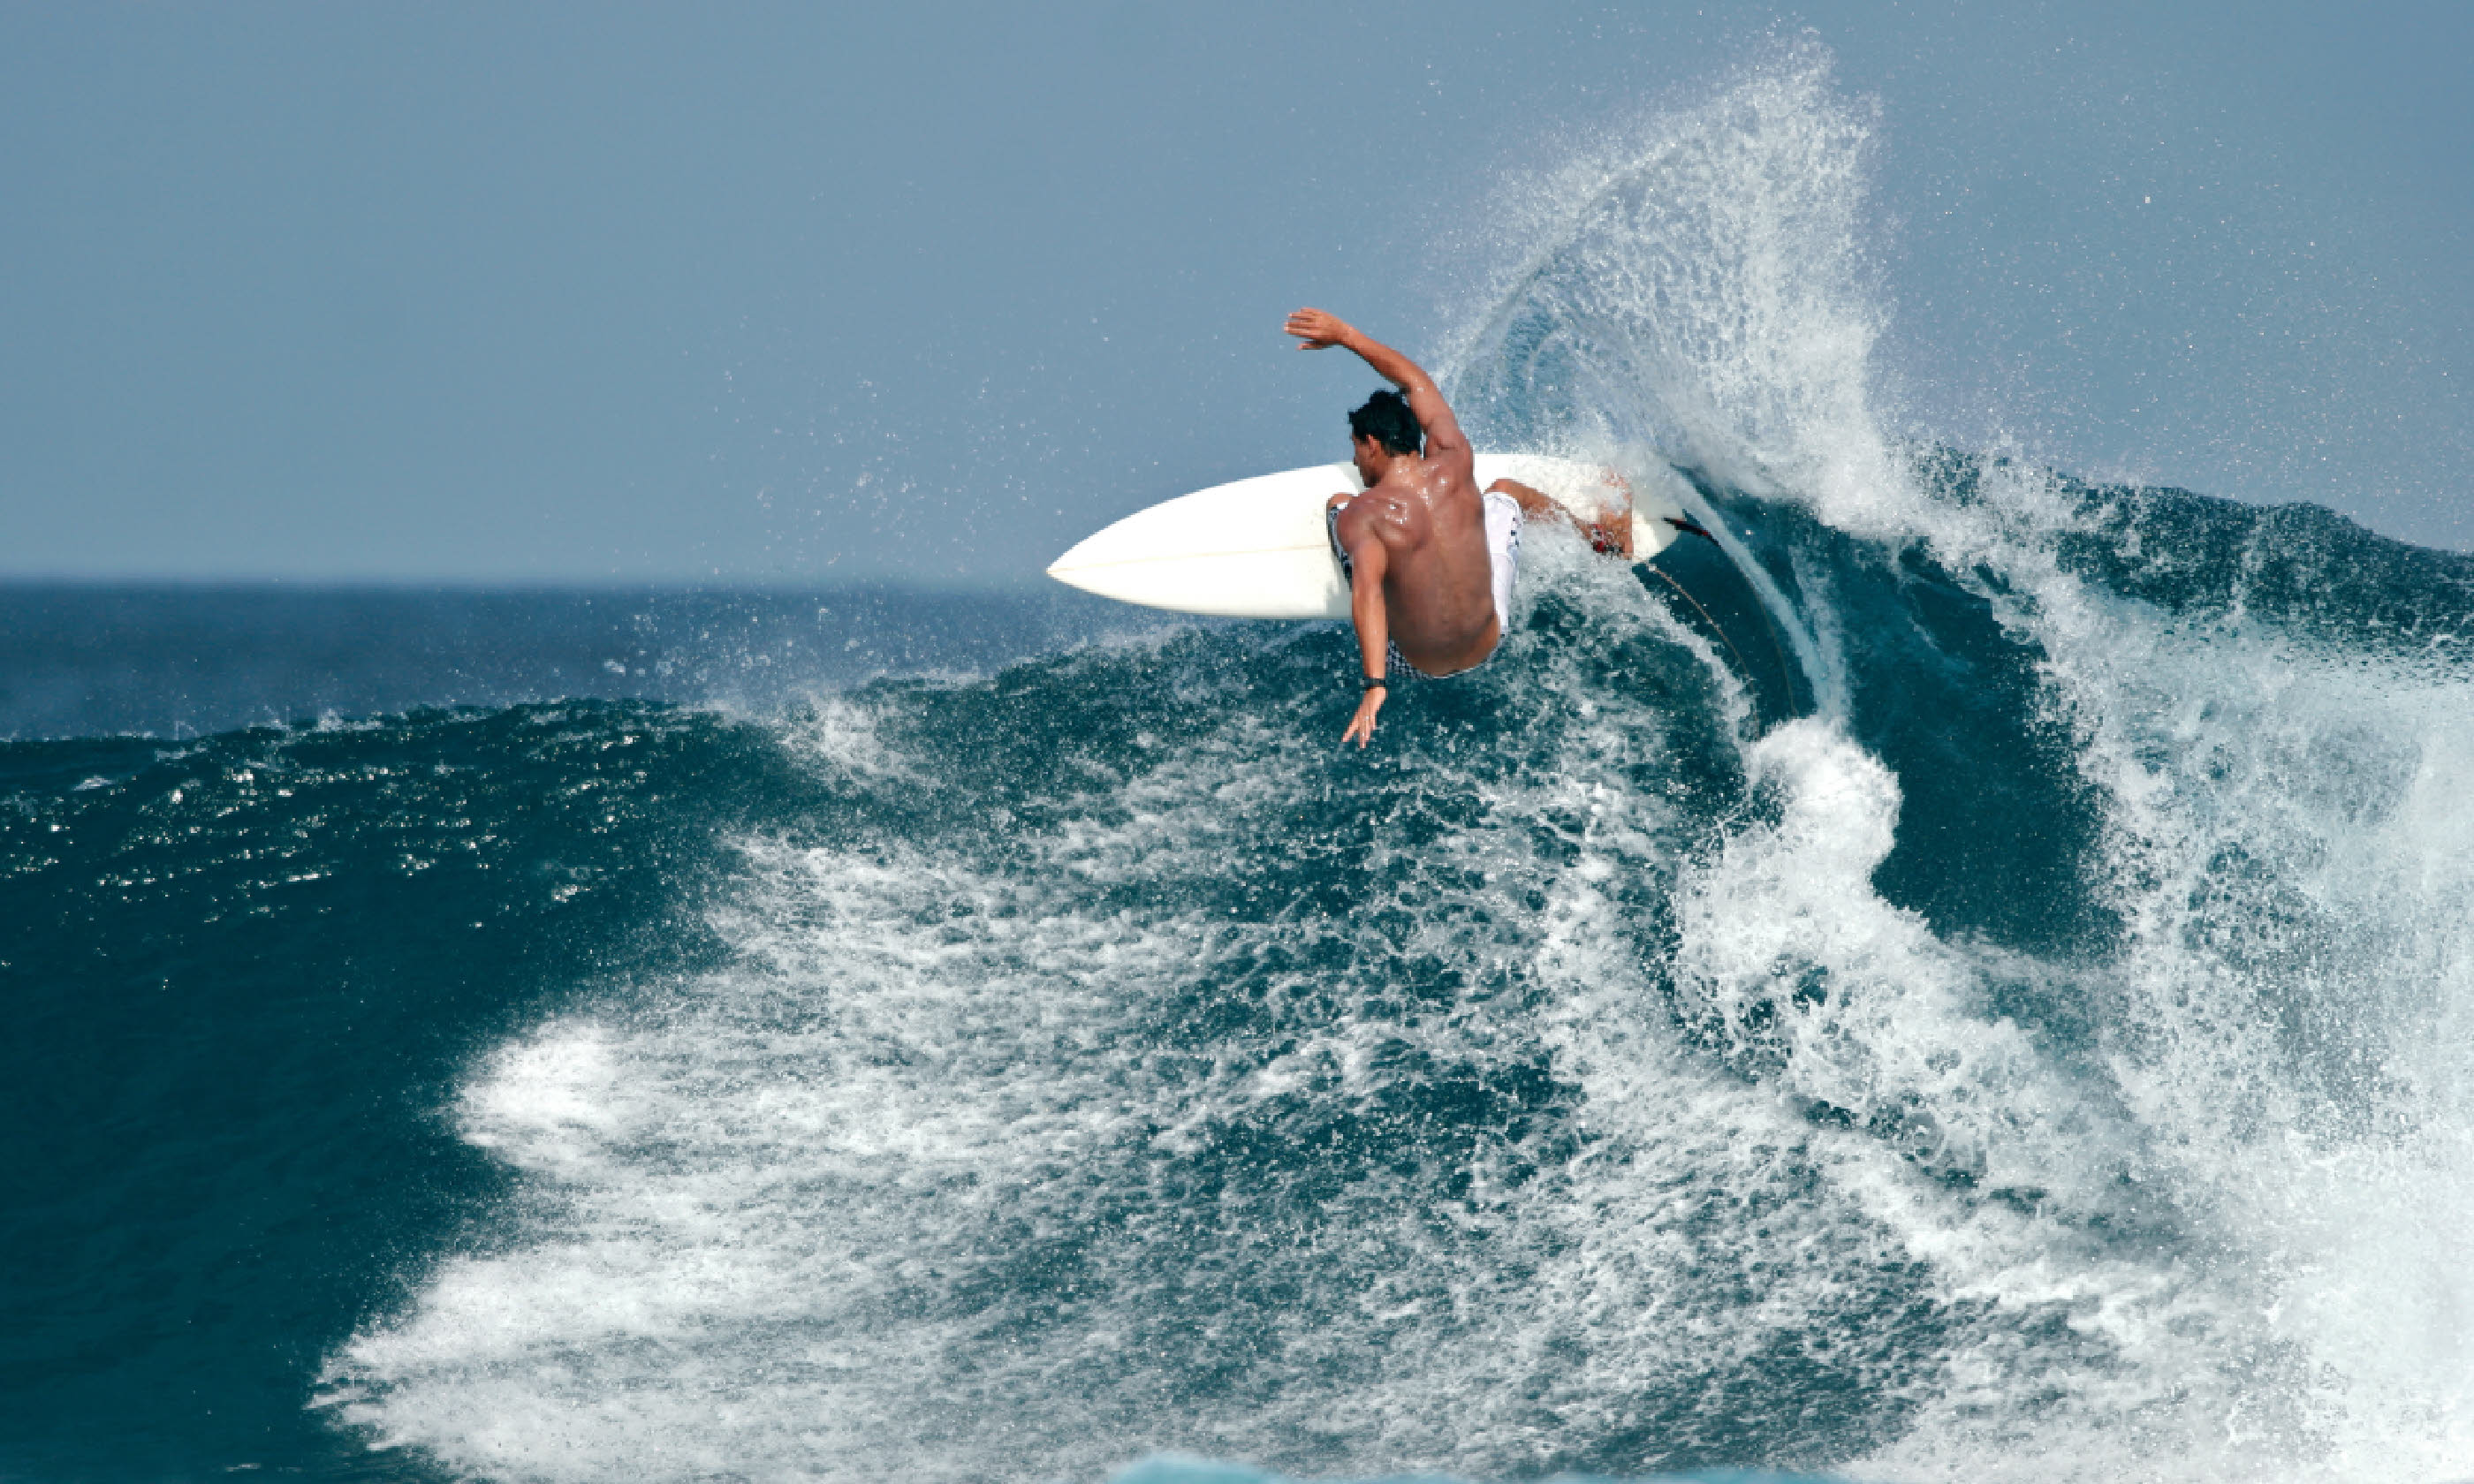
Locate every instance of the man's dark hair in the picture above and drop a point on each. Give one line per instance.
(1387, 420)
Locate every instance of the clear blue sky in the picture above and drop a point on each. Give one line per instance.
(580, 292)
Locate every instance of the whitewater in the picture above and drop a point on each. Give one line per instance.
(2036, 1048)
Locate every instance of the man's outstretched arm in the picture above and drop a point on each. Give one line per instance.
(1368, 562)
(1318, 330)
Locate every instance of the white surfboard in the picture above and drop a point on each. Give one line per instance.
(1257, 548)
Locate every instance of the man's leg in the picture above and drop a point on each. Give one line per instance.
(1611, 533)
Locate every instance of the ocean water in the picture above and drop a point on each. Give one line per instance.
(185, 661)
(2019, 1030)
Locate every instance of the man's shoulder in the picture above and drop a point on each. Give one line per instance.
(1447, 481)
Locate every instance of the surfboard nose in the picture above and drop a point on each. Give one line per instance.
(1076, 568)
(1072, 576)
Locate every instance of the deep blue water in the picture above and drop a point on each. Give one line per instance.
(181, 660)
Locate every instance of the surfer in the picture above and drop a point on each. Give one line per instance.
(1429, 558)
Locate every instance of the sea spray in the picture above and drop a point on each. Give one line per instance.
(2219, 1196)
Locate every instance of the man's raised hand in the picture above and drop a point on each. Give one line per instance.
(1318, 330)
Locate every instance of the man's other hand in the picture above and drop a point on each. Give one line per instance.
(1361, 726)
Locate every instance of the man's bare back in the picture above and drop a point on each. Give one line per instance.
(1435, 575)
(1422, 579)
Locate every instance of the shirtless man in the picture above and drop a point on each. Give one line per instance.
(1429, 560)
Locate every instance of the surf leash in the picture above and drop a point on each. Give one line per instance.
(1761, 713)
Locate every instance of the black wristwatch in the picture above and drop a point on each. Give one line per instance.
(1376, 682)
